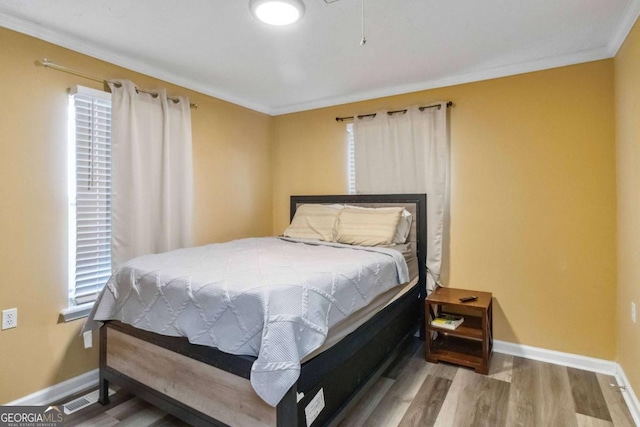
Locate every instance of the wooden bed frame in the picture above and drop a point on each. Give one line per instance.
(204, 386)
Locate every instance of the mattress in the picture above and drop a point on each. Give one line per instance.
(408, 252)
(272, 298)
(359, 318)
(355, 320)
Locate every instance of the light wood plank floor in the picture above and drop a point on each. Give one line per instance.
(413, 392)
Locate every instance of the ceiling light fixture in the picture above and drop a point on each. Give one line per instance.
(277, 12)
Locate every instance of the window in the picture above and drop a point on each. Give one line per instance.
(351, 159)
(89, 198)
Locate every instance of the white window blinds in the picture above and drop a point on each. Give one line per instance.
(89, 194)
(351, 159)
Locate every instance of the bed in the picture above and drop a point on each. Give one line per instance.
(205, 386)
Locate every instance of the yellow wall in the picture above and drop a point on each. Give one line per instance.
(232, 192)
(532, 196)
(627, 98)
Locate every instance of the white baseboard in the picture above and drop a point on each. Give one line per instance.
(59, 391)
(90, 379)
(629, 395)
(575, 361)
(559, 358)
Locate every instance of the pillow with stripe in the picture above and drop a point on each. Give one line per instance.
(314, 222)
(368, 226)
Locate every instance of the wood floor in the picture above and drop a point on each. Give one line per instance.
(413, 392)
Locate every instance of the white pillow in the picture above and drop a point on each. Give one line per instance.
(313, 221)
(404, 228)
(368, 226)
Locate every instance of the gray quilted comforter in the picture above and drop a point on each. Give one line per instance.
(273, 298)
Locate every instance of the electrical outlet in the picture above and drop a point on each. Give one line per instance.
(9, 318)
(88, 339)
(633, 312)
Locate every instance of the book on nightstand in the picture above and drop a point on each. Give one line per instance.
(447, 321)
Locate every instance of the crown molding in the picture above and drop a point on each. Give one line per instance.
(628, 19)
(475, 76)
(78, 45)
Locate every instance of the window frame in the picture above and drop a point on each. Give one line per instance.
(75, 309)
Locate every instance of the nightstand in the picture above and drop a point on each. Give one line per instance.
(471, 343)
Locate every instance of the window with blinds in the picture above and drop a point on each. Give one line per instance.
(89, 194)
(351, 159)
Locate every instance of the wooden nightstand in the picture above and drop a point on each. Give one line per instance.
(471, 344)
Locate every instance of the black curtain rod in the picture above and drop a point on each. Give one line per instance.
(362, 116)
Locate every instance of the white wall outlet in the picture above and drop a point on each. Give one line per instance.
(633, 312)
(9, 318)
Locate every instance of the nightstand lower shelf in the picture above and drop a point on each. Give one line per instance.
(465, 352)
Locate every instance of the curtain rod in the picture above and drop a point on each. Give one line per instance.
(47, 64)
(362, 116)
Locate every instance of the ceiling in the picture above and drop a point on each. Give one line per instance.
(216, 47)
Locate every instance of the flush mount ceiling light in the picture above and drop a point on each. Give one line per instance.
(277, 12)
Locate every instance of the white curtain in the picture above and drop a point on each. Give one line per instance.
(152, 173)
(408, 153)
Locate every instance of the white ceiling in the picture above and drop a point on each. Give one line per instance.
(216, 47)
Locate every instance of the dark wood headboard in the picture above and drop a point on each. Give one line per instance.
(414, 203)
